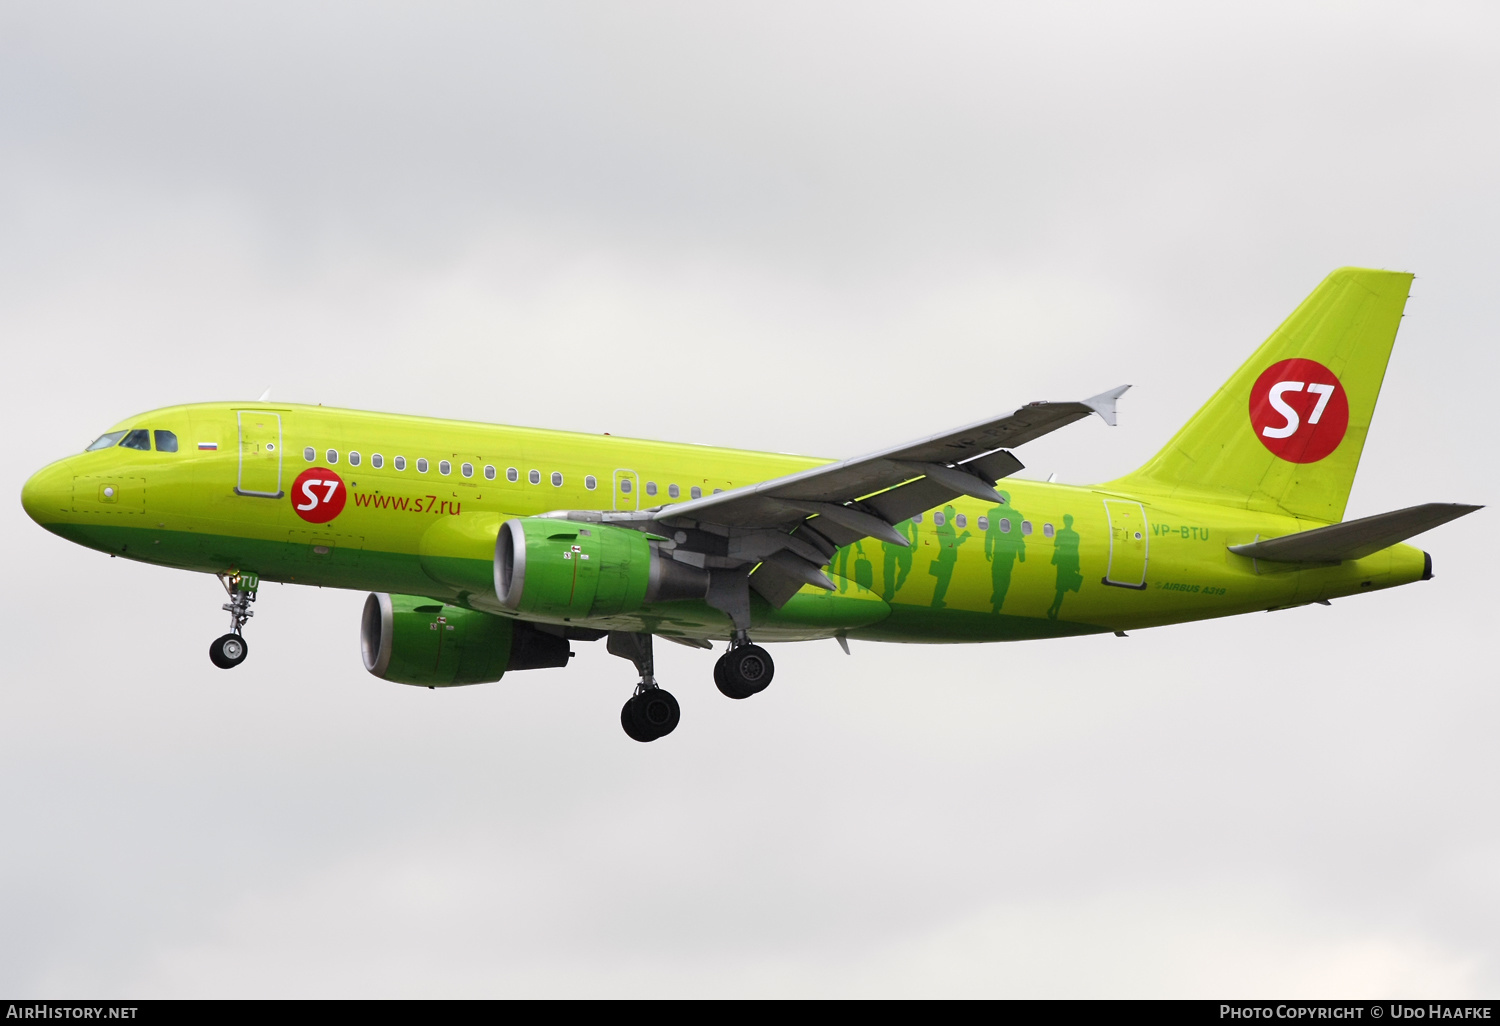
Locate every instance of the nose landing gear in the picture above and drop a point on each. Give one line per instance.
(229, 650)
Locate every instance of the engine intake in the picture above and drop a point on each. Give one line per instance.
(412, 640)
(565, 569)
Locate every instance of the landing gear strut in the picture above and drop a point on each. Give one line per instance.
(651, 712)
(229, 650)
(744, 670)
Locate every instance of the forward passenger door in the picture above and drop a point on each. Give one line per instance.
(260, 454)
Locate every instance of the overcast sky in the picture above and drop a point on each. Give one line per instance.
(817, 228)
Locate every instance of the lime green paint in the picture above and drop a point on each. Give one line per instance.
(1148, 549)
(1348, 324)
(582, 572)
(437, 645)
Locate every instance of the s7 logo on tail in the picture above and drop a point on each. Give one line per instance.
(1299, 410)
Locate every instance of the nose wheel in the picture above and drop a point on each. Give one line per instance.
(229, 650)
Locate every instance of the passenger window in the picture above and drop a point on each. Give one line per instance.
(511, 475)
(673, 491)
(1026, 527)
(444, 467)
(421, 464)
(939, 520)
(376, 460)
(984, 523)
(625, 484)
(166, 441)
(309, 454)
(535, 477)
(1047, 530)
(1005, 525)
(591, 482)
(140, 438)
(467, 470)
(106, 441)
(650, 487)
(489, 472)
(353, 458)
(917, 519)
(717, 490)
(333, 455)
(961, 520)
(400, 463)
(556, 479)
(695, 492)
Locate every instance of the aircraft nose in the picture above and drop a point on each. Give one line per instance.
(47, 493)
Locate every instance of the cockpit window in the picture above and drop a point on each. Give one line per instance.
(140, 438)
(105, 441)
(166, 441)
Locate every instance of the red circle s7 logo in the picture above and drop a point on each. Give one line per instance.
(318, 495)
(1299, 410)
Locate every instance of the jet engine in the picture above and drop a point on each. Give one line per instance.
(546, 566)
(413, 640)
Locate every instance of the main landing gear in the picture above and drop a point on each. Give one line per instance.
(230, 650)
(744, 670)
(652, 712)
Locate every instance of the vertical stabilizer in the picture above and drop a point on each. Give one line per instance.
(1286, 432)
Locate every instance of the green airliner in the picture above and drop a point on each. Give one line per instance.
(492, 549)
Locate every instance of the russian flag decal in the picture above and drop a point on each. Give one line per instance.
(208, 445)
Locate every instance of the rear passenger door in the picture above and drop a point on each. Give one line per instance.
(1128, 544)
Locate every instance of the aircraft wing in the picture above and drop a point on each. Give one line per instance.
(791, 525)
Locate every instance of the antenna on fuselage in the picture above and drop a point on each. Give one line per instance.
(265, 396)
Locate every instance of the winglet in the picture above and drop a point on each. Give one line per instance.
(1104, 403)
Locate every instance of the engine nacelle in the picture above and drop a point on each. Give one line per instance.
(566, 569)
(413, 640)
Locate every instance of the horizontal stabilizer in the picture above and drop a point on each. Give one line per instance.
(1354, 539)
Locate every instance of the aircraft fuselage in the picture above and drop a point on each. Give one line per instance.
(388, 503)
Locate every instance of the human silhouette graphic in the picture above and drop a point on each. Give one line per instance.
(861, 567)
(947, 556)
(898, 557)
(1002, 548)
(1065, 558)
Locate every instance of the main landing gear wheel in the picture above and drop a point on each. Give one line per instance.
(744, 671)
(228, 652)
(652, 714)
